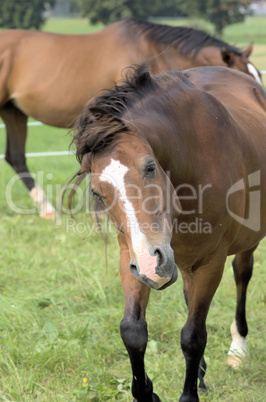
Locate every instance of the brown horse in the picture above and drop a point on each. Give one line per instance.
(52, 77)
(179, 162)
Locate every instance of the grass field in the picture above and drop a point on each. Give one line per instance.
(61, 307)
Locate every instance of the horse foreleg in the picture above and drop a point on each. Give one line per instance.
(243, 267)
(202, 366)
(16, 129)
(133, 329)
(203, 282)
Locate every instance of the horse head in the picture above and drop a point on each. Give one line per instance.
(141, 203)
(241, 62)
(128, 179)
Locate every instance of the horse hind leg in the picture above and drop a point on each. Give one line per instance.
(16, 129)
(243, 267)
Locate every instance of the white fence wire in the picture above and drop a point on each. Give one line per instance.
(36, 154)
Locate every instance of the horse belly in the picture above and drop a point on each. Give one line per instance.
(55, 87)
(54, 113)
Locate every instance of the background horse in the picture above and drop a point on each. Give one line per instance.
(179, 162)
(51, 77)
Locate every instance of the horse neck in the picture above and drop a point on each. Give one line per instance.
(166, 58)
(209, 56)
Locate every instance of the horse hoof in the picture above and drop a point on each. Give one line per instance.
(234, 362)
(188, 398)
(48, 215)
(155, 398)
(202, 390)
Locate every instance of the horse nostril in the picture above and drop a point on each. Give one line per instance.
(133, 269)
(161, 257)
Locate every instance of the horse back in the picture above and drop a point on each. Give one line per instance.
(230, 87)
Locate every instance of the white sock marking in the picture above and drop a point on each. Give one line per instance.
(40, 199)
(238, 346)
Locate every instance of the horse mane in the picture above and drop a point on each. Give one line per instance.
(186, 39)
(101, 120)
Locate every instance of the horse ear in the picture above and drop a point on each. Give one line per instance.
(227, 56)
(139, 77)
(246, 53)
(143, 77)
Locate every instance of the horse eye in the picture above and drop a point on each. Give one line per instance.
(95, 194)
(150, 169)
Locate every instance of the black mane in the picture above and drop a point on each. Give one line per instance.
(101, 120)
(186, 39)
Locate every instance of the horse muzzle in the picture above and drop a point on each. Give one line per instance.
(157, 273)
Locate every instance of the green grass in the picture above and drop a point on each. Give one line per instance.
(71, 26)
(252, 30)
(60, 308)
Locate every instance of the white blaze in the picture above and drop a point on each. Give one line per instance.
(254, 72)
(114, 174)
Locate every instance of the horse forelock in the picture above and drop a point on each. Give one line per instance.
(101, 120)
(186, 39)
